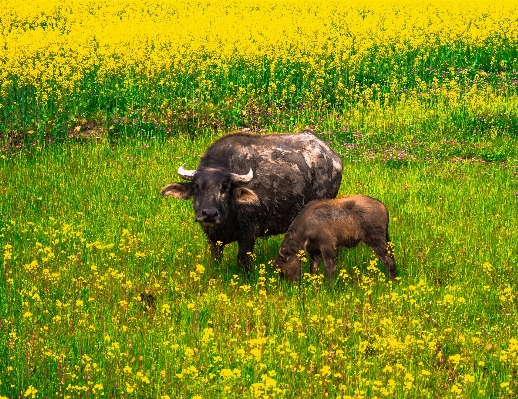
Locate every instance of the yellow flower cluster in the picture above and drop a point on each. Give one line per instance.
(368, 338)
(54, 45)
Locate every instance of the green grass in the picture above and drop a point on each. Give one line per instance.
(277, 94)
(84, 232)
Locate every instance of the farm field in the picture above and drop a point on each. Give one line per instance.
(107, 289)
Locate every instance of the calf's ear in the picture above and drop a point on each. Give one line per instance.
(178, 190)
(245, 196)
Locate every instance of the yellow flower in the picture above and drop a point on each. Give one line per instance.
(487, 267)
(387, 369)
(189, 352)
(455, 359)
(325, 371)
(223, 297)
(226, 373)
(166, 309)
(208, 335)
(143, 377)
(31, 392)
(455, 389)
(97, 387)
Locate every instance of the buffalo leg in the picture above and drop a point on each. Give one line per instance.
(328, 254)
(245, 255)
(385, 254)
(314, 261)
(312, 248)
(216, 250)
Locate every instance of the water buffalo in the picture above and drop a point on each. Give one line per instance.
(323, 226)
(251, 185)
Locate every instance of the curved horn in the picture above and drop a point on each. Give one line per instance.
(186, 174)
(241, 179)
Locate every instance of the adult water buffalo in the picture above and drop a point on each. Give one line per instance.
(250, 185)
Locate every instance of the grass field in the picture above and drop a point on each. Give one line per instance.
(107, 289)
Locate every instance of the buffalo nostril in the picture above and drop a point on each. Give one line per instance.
(209, 214)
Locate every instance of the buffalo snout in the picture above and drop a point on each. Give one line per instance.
(209, 215)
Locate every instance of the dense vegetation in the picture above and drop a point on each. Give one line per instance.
(108, 289)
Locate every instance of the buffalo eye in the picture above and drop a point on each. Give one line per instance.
(224, 186)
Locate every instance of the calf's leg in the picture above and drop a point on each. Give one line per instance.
(385, 254)
(328, 254)
(315, 257)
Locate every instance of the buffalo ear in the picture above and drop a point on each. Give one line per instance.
(245, 196)
(178, 190)
(282, 253)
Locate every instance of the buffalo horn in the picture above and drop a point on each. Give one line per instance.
(242, 178)
(186, 174)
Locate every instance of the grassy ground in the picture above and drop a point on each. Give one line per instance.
(107, 289)
(85, 233)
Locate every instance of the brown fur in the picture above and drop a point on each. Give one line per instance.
(323, 226)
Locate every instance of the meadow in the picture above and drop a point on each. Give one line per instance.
(107, 289)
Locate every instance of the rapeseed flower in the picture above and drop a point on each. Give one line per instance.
(31, 392)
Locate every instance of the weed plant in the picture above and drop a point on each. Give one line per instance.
(107, 289)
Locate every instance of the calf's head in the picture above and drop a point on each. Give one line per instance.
(213, 191)
(288, 263)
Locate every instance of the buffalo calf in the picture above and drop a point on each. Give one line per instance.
(325, 225)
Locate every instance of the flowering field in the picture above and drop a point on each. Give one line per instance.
(107, 289)
(159, 67)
